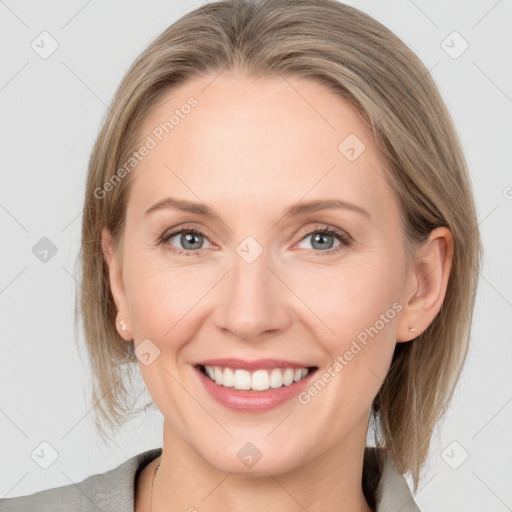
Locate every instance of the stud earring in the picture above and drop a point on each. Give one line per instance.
(411, 328)
(123, 325)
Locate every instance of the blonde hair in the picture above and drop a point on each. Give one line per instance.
(368, 65)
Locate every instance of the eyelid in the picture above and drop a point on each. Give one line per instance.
(344, 238)
(319, 227)
(176, 230)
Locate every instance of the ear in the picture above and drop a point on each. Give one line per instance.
(427, 283)
(115, 276)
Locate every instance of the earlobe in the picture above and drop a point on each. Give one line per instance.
(115, 279)
(430, 277)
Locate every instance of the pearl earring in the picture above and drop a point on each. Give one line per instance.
(411, 328)
(123, 325)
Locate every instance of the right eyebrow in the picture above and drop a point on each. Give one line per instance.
(185, 206)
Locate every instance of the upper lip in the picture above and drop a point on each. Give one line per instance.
(255, 364)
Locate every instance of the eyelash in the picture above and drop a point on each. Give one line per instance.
(344, 239)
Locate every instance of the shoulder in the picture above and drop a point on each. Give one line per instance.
(384, 487)
(112, 490)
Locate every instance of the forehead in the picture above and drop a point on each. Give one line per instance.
(254, 142)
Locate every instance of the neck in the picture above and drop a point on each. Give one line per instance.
(329, 481)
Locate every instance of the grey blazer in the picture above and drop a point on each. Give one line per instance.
(114, 491)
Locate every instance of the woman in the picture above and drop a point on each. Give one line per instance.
(279, 230)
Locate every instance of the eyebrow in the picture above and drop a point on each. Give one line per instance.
(297, 209)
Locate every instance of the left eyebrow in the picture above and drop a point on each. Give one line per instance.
(294, 210)
(313, 206)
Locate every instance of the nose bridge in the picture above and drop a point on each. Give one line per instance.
(255, 301)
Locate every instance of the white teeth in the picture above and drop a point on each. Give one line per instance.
(242, 380)
(288, 376)
(228, 378)
(276, 378)
(300, 373)
(259, 380)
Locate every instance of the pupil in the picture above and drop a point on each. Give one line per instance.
(188, 237)
(318, 238)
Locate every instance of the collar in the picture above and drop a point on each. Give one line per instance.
(385, 488)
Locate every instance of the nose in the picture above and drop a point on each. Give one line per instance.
(253, 301)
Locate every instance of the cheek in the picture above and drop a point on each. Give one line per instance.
(341, 300)
(361, 312)
(358, 305)
(161, 297)
(353, 296)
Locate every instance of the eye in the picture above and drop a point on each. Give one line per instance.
(323, 239)
(187, 241)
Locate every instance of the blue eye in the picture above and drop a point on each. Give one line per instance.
(191, 240)
(323, 239)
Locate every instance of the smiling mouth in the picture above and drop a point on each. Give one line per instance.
(257, 380)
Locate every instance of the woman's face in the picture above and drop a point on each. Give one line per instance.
(253, 283)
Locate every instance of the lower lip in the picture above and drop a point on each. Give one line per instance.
(253, 401)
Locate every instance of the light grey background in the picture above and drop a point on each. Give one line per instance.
(51, 111)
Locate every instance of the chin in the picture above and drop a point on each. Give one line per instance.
(252, 459)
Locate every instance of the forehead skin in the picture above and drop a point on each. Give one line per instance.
(252, 146)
